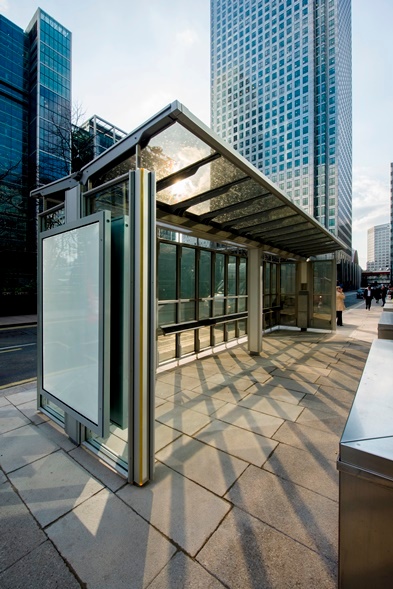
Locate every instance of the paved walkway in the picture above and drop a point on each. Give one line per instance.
(246, 489)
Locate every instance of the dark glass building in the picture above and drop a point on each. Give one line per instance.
(35, 125)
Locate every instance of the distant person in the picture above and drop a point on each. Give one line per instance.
(383, 294)
(368, 296)
(340, 306)
(377, 294)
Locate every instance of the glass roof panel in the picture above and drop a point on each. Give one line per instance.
(208, 177)
(265, 218)
(173, 149)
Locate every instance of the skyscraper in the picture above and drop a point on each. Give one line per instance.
(281, 95)
(378, 247)
(35, 117)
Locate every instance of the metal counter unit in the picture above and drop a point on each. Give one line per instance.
(365, 467)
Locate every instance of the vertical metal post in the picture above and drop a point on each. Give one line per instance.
(143, 326)
(255, 307)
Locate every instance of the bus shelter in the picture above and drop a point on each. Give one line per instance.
(167, 247)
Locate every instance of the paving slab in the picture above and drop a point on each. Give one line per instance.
(22, 397)
(52, 431)
(177, 380)
(4, 401)
(342, 397)
(182, 572)
(19, 531)
(53, 485)
(324, 403)
(306, 438)
(29, 410)
(254, 421)
(3, 478)
(245, 553)
(296, 375)
(271, 406)
(307, 470)
(182, 510)
(11, 418)
(292, 385)
(252, 448)
(228, 394)
(304, 369)
(42, 568)
(108, 545)
(97, 468)
(164, 435)
(276, 392)
(164, 389)
(213, 469)
(23, 446)
(201, 403)
(299, 513)
(340, 379)
(181, 418)
(323, 421)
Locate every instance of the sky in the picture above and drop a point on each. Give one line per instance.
(131, 59)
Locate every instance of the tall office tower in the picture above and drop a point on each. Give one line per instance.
(35, 117)
(378, 247)
(281, 95)
(391, 222)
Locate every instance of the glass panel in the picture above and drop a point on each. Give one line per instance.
(267, 301)
(204, 337)
(205, 264)
(266, 280)
(240, 193)
(273, 283)
(187, 276)
(187, 311)
(322, 299)
(171, 150)
(231, 330)
(219, 306)
(118, 170)
(242, 304)
(242, 326)
(232, 267)
(206, 178)
(187, 342)
(243, 276)
(218, 334)
(166, 345)
(288, 294)
(167, 271)
(115, 445)
(231, 305)
(114, 199)
(274, 215)
(204, 309)
(219, 274)
(167, 313)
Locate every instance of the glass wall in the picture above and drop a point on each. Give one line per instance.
(288, 293)
(271, 299)
(322, 294)
(202, 295)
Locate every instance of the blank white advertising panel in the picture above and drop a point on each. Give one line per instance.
(74, 302)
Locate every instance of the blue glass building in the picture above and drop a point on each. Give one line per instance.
(281, 95)
(35, 117)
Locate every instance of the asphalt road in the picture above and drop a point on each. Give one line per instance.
(18, 355)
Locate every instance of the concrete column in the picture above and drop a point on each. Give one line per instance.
(255, 301)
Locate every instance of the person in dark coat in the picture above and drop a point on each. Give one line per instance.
(383, 294)
(368, 296)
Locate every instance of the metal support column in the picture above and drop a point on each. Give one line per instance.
(142, 326)
(255, 307)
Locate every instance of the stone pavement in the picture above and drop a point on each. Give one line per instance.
(245, 492)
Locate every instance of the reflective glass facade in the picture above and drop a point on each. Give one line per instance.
(35, 124)
(281, 95)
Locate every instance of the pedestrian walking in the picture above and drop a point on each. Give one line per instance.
(383, 294)
(368, 295)
(340, 306)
